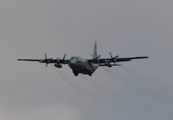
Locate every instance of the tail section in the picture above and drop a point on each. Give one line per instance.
(94, 55)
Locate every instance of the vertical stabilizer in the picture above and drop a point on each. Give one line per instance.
(95, 51)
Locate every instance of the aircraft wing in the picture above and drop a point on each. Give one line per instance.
(112, 60)
(50, 60)
(40, 60)
(35, 60)
(129, 58)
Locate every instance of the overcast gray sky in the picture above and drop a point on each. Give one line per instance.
(140, 89)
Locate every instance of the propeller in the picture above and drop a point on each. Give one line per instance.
(113, 58)
(97, 57)
(63, 60)
(51, 60)
(64, 57)
(45, 56)
(47, 61)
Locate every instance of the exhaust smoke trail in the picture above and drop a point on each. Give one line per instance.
(111, 96)
(95, 85)
(114, 94)
(141, 84)
(133, 74)
(69, 82)
(117, 77)
(87, 92)
(148, 86)
(139, 77)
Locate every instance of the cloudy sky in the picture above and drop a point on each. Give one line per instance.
(140, 89)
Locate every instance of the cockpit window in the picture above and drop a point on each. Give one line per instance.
(74, 58)
(71, 58)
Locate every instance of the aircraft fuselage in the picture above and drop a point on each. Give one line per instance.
(79, 65)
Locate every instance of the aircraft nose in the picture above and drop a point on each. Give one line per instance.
(71, 63)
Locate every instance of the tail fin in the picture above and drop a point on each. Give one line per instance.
(94, 55)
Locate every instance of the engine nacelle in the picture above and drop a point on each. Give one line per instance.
(108, 64)
(58, 65)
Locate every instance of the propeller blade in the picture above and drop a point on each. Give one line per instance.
(46, 60)
(110, 54)
(64, 56)
(97, 57)
(45, 55)
(116, 56)
(113, 58)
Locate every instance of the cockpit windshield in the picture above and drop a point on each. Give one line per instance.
(74, 58)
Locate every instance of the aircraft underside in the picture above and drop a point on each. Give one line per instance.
(86, 72)
(82, 68)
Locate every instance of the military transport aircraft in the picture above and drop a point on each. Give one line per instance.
(84, 66)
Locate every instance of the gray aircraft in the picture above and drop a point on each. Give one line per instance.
(85, 66)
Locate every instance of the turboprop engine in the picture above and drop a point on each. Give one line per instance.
(113, 59)
(58, 65)
(108, 64)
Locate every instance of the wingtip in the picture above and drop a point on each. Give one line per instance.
(143, 57)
